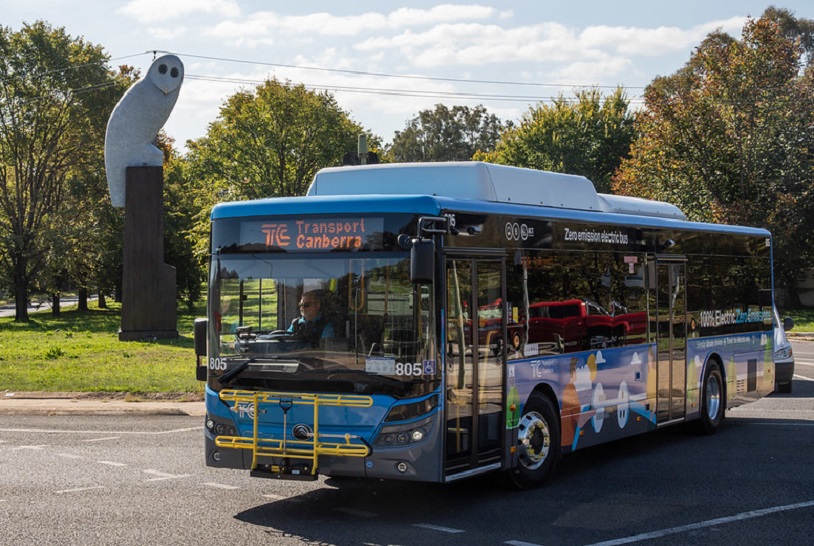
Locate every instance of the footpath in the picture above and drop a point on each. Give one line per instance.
(65, 403)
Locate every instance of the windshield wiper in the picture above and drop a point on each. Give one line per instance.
(240, 368)
(234, 372)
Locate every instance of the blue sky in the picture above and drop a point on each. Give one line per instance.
(385, 61)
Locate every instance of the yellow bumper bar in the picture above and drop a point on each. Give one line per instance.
(284, 449)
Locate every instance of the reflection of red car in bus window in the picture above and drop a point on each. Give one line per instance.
(490, 322)
(577, 325)
(628, 328)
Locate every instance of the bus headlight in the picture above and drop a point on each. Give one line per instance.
(218, 428)
(403, 435)
(783, 354)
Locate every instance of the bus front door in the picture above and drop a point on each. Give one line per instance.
(671, 315)
(475, 353)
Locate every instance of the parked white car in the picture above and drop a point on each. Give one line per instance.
(783, 356)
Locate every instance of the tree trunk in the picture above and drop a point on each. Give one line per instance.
(83, 299)
(20, 290)
(102, 300)
(55, 306)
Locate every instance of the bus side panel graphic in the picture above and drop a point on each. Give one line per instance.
(603, 394)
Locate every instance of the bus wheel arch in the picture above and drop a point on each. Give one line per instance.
(713, 397)
(538, 440)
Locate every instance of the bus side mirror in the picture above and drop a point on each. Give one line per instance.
(200, 330)
(422, 261)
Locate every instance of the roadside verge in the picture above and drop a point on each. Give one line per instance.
(44, 403)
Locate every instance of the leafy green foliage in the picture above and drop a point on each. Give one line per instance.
(268, 142)
(589, 137)
(727, 138)
(55, 97)
(180, 212)
(446, 134)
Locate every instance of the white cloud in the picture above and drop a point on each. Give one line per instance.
(477, 44)
(149, 11)
(167, 33)
(604, 71)
(404, 17)
(653, 42)
(471, 43)
(257, 26)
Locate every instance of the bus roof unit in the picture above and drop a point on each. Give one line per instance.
(484, 182)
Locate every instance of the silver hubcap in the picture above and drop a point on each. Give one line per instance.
(533, 441)
(712, 392)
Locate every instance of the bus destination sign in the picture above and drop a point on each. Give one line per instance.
(314, 234)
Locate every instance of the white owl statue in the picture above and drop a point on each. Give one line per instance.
(136, 120)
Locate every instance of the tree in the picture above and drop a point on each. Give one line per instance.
(86, 247)
(50, 84)
(589, 137)
(180, 211)
(446, 134)
(271, 141)
(727, 138)
(266, 142)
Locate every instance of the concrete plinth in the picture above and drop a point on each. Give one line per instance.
(148, 285)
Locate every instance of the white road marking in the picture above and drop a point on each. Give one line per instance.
(111, 463)
(102, 439)
(69, 456)
(129, 432)
(521, 543)
(438, 528)
(271, 496)
(702, 524)
(35, 448)
(782, 424)
(802, 377)
(221, 485)
(163, 475)
(78, 489)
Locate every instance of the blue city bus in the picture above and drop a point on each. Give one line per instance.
(473, 318)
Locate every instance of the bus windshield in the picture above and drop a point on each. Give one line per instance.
(329, 323)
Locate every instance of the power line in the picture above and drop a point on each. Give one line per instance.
(400, 92)
(463, 95)
(386, 75)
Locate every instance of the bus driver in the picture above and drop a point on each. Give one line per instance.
(313, 325)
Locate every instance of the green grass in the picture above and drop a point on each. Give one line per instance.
(803, 319)
(81, 352)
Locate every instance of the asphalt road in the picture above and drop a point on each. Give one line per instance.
(101, 479)
(44, 305)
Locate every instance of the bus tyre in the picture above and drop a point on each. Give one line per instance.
(538, 442)
(712, 400)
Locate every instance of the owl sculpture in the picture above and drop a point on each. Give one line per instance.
(136, 120)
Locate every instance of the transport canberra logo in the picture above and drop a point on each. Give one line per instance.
(316, 234)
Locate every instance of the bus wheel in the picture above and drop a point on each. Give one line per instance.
(538, 442)
(712, 400)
